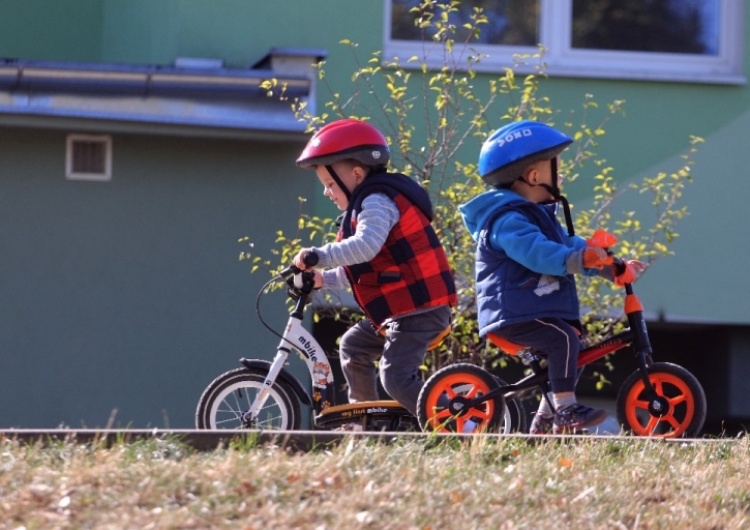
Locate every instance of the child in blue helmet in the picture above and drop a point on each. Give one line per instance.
(526, 262)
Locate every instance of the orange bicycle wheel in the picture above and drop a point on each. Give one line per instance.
(678, 408)
(443, 404)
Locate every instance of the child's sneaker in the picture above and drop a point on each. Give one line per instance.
(541, 424)
(577, 417)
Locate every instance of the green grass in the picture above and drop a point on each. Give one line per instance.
(498, 483)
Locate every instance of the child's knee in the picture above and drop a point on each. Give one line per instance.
(348, 346)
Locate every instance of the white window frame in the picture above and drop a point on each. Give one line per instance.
(561, 60)
(70, 174)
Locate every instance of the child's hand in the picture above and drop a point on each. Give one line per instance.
(296, 283)
(318, 279)
(587, 261)
(595, 258)
(299, 259)
(602, 239)
(633, 269)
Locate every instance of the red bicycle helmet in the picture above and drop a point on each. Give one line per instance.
(346, 139)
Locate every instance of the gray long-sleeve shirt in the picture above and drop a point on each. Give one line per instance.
(378, 216)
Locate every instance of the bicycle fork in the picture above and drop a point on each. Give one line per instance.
(279, 360)
(643, 351)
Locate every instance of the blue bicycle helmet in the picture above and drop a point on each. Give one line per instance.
(511, 148)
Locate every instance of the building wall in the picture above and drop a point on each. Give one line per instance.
(49, 30)
(128, 295)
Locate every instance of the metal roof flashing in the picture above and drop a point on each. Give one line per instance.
(195, 96)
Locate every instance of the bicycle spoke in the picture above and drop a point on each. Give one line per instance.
(478, 413)
(673, 421)
(442, 415)
(472, 392)
(651, 425)
(676, 400)
(449, 392)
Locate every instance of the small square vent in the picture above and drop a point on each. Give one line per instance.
(88, 157)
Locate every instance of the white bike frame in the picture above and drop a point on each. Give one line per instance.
(297, 338)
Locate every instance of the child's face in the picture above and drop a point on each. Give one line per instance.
(538, 173)
(350, 174)
(544, 169)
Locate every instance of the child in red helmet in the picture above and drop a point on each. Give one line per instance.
(526, 261)
(388, 253)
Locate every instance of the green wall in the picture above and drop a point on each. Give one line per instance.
(239, 32)
(51, 30)
(659, 116)
(129, 294)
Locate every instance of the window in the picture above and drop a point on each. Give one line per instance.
(665, 40)
(88, 157)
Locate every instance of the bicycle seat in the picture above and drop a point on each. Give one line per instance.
(511, 348)
(437, 341)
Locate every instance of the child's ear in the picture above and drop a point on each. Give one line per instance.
(359, 173)
(532, 176)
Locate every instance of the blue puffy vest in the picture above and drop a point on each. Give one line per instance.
(508, 292)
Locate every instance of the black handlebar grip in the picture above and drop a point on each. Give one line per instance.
(619, 266)
(311, 259)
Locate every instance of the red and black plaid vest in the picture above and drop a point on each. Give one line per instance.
(410, 272)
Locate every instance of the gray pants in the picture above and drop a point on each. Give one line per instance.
(401, 352)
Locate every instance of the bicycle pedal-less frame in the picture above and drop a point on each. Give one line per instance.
(658, 399)
(265, 395)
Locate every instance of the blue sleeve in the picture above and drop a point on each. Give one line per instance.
(525, 243)
(577, 242)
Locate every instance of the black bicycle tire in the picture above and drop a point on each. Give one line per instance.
(514, 407)
(288, 398)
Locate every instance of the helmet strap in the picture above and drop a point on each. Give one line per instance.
(338, 182)
(568, 217)
(554, 190)
(566, 208)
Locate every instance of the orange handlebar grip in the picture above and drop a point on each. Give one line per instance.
(602, 239)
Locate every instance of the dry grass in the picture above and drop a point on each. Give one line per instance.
(476, 483)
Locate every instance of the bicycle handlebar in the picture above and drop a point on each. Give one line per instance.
(311, 259)
(308, 278)
(619, 265)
